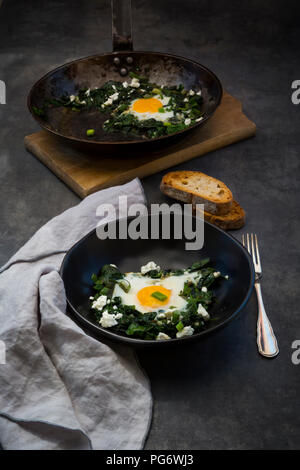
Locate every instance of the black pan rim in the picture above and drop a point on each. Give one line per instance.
(130, 142)
(173, 341)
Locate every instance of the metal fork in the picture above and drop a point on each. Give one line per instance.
(266, 340)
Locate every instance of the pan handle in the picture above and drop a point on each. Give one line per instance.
(121, 25)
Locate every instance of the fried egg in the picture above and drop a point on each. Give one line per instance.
(148, 108)
(142, 289)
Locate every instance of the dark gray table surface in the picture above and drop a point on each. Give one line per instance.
(219, 394)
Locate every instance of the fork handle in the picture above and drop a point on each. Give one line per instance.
(266, 340)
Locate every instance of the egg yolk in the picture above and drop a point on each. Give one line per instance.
(145, 296)
(147, 105)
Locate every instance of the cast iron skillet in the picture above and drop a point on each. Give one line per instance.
(94, 71)
(90, 254)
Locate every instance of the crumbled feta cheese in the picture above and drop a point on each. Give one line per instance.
(118, 316)
(88, 92)
(125, 84)
(149, 267)
(115, 307)
(165, 101)
(187, 122)
(83, 102)
(108, 319)
(91, 297)
(100, 302)
(203, 313)
(160, 315)
(185, 100)
(108, 102)
(114, 87)
(199, 93)
(217, 274)
(162, 336)
(191, 93)
(227, 277)
(108, 301)
(204, 289)
(113, 265)
(186, 331)
(115, 96)
(72, 98)
(199, 119)
(135, 83)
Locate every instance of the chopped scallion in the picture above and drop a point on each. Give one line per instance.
(159, 296)
(179, 326)
(125, 285)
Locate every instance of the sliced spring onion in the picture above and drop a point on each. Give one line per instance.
(125, 285)
(179, 326)
(157, 91)
(159, 296)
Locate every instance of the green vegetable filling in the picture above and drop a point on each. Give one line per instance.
(115, 100)
(148, 325)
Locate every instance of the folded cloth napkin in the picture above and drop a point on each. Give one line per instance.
(60, 388)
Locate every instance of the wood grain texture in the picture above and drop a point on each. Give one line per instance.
(85, 173)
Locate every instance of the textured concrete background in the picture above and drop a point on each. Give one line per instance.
(220, 393)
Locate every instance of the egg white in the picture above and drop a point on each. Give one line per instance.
(157, 116)
(138, 281)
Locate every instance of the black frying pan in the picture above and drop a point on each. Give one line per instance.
(227, 255)
(94, 71)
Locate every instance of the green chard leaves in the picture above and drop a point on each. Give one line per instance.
(167, 319)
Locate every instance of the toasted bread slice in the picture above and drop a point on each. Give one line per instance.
(235, 219)
(195, 187)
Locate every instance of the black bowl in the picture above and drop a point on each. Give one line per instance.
(90, 254)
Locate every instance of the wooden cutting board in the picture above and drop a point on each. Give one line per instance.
(86, 173)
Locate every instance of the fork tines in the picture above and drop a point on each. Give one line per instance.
(250, 242)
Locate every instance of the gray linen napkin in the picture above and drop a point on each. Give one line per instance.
(60, 388)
